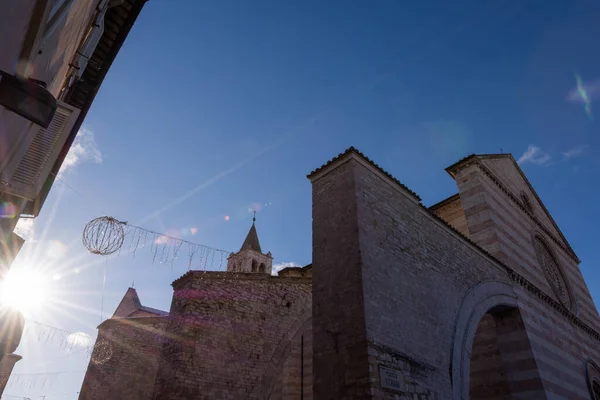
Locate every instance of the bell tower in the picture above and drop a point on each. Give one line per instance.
(250, 257)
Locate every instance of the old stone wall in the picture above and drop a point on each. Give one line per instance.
(396, 285)
(125, 359)
(488, 373)
(229, 334)
(415, 273)
(295, 379)
(560, 346)
(340, 358)
(514, 229)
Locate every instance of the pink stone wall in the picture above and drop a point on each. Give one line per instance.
(125, 359)
(231, 336)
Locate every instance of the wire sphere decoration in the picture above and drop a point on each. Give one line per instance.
(102, 352)
(103, 235)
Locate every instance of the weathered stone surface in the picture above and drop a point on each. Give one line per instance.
(125, 359)
(396, 285)
(231, 336)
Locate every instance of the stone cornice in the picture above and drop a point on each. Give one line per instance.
(538, 223)
(475, 160)
(134, 321)
(346, 155)
(237, 276)
(524, 282)
(516, 277)
(559, 307)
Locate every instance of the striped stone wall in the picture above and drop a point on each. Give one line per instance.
(560, 349)
(500, 225)
(405, 307)
(502, 361)
(488, 374)
(453, 213)
(505, 170)
(504, 227)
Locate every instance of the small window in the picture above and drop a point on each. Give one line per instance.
(254, 266)
(526, 203)
(262, 268)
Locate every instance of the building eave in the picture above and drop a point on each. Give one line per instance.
(476, 159)
(235, 276)
(118, 23)
(352, 150)
(134, 321)
(444, 202)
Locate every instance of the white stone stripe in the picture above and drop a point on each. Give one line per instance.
(541, 348)
(568, 267)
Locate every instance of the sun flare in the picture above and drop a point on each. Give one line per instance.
(24, 289)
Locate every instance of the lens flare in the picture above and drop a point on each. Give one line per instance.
(24, 289)
(584, 93)
(161, 240)
(7, 210)
(56, 249)
(255, 207)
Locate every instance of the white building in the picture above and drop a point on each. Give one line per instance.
(54, 55)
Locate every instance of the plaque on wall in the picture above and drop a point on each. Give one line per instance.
(390, 378)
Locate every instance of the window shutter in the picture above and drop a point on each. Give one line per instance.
(33, 166)
(86, 51)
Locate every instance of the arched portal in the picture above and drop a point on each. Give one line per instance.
(592, 372)
(492, 356)
(501, 357)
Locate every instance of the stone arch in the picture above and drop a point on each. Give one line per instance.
(254, 265)
(592, 375)
(490, 299)
(265, 389)
(262, 268)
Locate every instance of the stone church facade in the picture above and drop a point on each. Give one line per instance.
(479, 296)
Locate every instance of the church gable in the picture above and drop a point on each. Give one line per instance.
(506, 170)
(128, 305)
(131, 306)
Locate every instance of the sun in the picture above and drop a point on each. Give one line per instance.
(24, 289)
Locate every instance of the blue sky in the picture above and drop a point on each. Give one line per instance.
(212, 107)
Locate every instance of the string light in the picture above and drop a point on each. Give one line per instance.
(106, 235)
